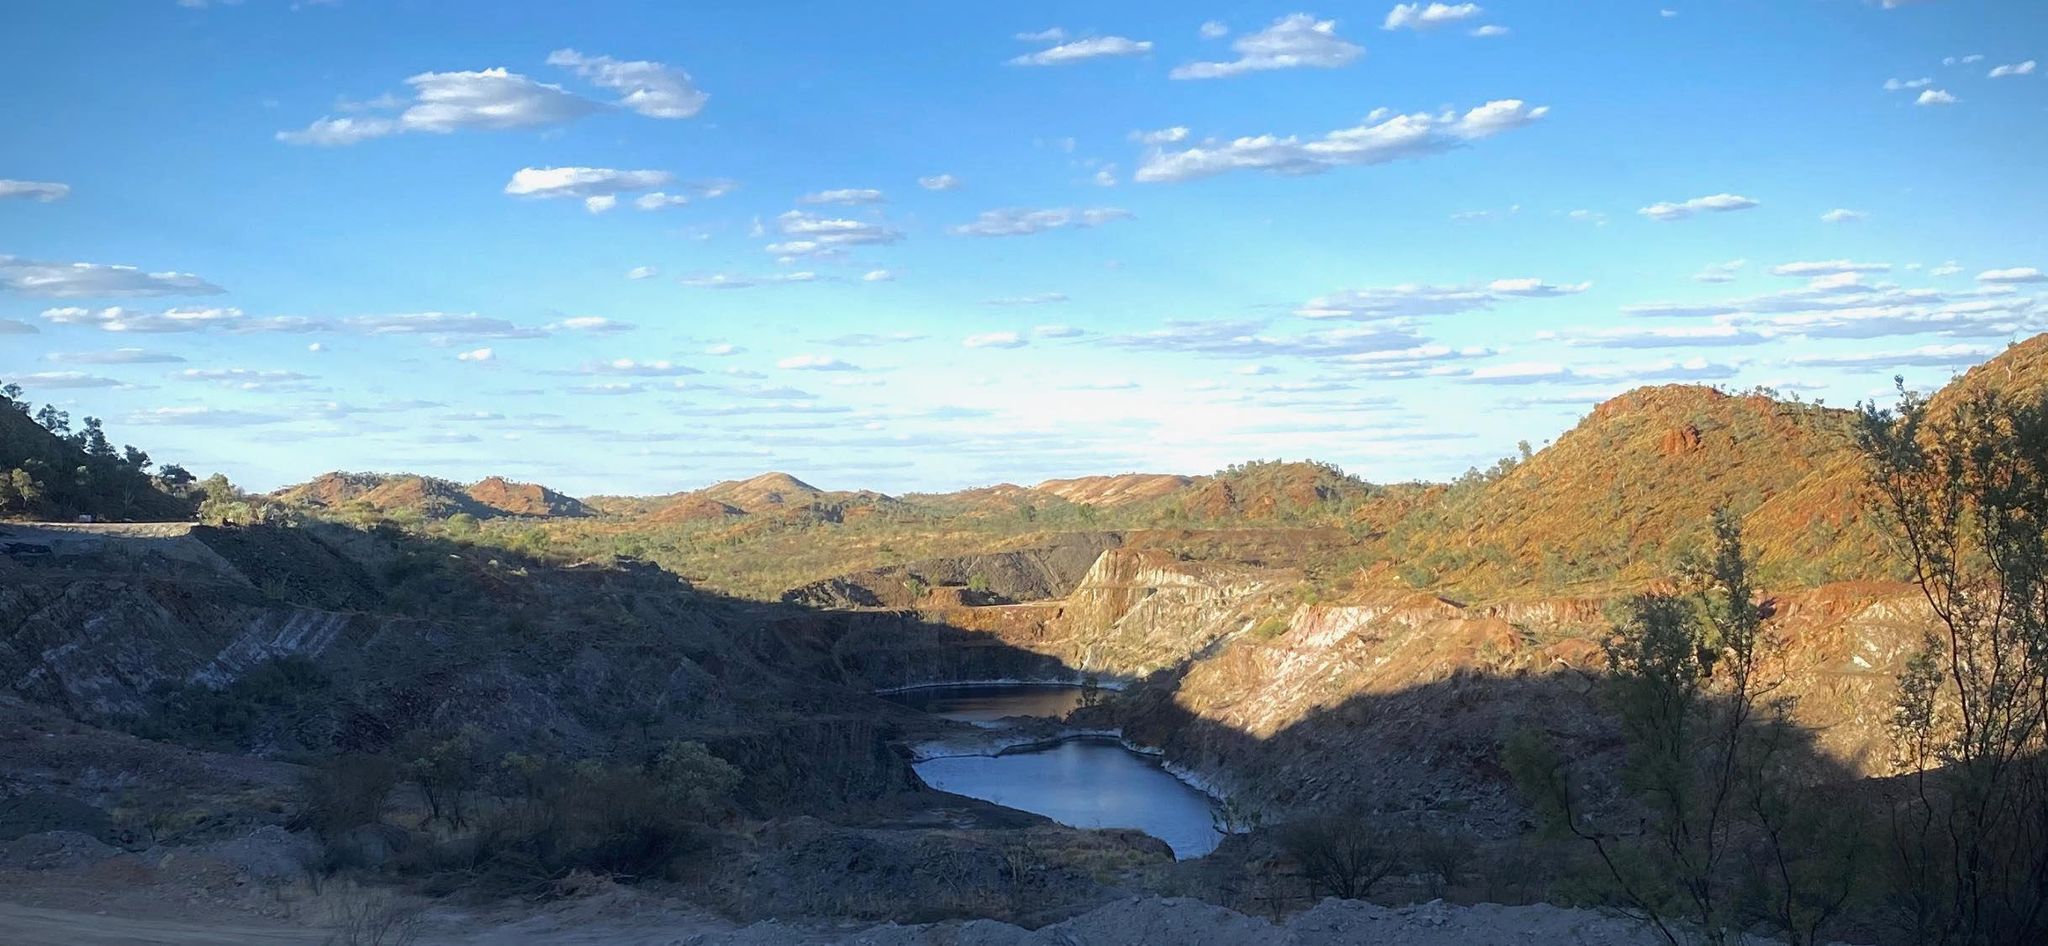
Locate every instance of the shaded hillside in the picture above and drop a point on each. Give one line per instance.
(56, 473)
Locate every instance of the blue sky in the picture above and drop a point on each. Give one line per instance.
(639, 247)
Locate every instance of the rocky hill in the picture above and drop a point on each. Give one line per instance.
(429, 497)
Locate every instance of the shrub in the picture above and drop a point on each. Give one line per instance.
(345, 792)
(1341, 855)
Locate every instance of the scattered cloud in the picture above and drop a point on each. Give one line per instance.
(1491, 30)
(444, 102)
(247, 379)
(65, 379)
(39, 191)
(1902, 85)
(210, 417)
(1036, 298)
(87, 280)
(1720, 272)
(1926, 356)
(477, 354)
(810, 235)
(118, 356)
(1093, 47)
(594, 324)
(1016, 222)
(877, 275)
(2018, 274)
(815, 363)
(737, 281)
(843, 195)
(659, 368)
(1936, 97)
(642, 272)
(1214, 29)
(16, 327)
(1663, 336)
(1844, 215)
(1418, 16)
(1382, 138)
(938, 182)
(2014, 69)
(1413, 300)
(649, 88)
(1833, 267)
(597, 187)
(1715, 203)
(1294, 41)
(1057, 331)
(994, 340)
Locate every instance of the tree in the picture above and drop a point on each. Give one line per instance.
(1964, 492)
(175, 476)
(1730, 834)
(53, 420)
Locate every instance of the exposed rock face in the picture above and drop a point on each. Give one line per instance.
(1115, 490)
(1033, 573)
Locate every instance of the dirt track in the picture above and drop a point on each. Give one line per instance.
(45, 926)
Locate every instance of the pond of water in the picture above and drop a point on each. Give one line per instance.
(1083, 783)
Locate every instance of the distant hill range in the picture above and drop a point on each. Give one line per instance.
(1618, 496)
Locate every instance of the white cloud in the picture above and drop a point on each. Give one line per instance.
(642, 272)
(844, 195)
(1214, 29)
(1057, 331)
(1382, 138)
(1163, 136)
(994, 340)
(649, 88)
(40, 191)
(477, 354)
(119, 319)
(815, 363)
(595, 324)
(1094, 47)
(738, 281)
(1716, 203)
(210, 417)
(2015, 69)
(659, 368)
(13, 327)
(1293, 41)
(1901, 85)
(1833, 267)
(1491, 30)
(2017, 274)
(1536, 288)
(938, 182)
(877, 275)
(447, 325)
(1048, 35)
(1412, 300)
(1844, 215)
(597, 187)
(1036, 298)
(1016, 222)
(1417, 16)
(1924, 356)
(65, 379)
(811, 235)
(1936, 97)
(443, 102)
(118, 356)
(246, 379)
(1949, 268)
(722, 349)
(1663, 336)
(1720, 272)
(76, 280)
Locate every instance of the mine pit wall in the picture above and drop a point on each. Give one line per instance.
(1398, 700)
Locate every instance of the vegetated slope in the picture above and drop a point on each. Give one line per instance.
(2019, 372)
(524, 499)
(1633, 486)
(45, 476)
